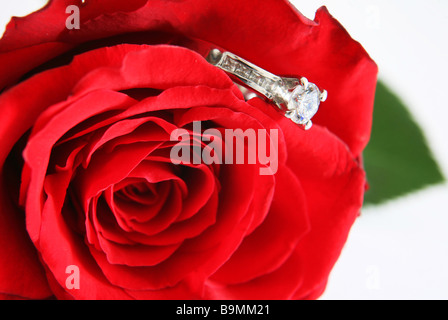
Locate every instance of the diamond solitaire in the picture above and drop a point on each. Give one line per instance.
(297, 98)
(304, 102)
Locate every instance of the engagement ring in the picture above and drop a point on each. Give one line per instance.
(297, 98)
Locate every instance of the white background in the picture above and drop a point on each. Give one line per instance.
(398, 250)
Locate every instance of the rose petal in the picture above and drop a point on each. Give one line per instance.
(199, 256)
(328, 56)
(39, 147)
(128, 212)
(277, 285)
(333, 183)
(21, 274)
(135, 254)
(66, 247)
(272, 243)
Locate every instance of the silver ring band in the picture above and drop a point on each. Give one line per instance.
(297, 98)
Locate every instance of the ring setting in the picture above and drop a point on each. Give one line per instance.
(298, 99)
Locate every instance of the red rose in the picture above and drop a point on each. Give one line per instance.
(87, 184)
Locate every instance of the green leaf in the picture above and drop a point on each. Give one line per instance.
(397, 159)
